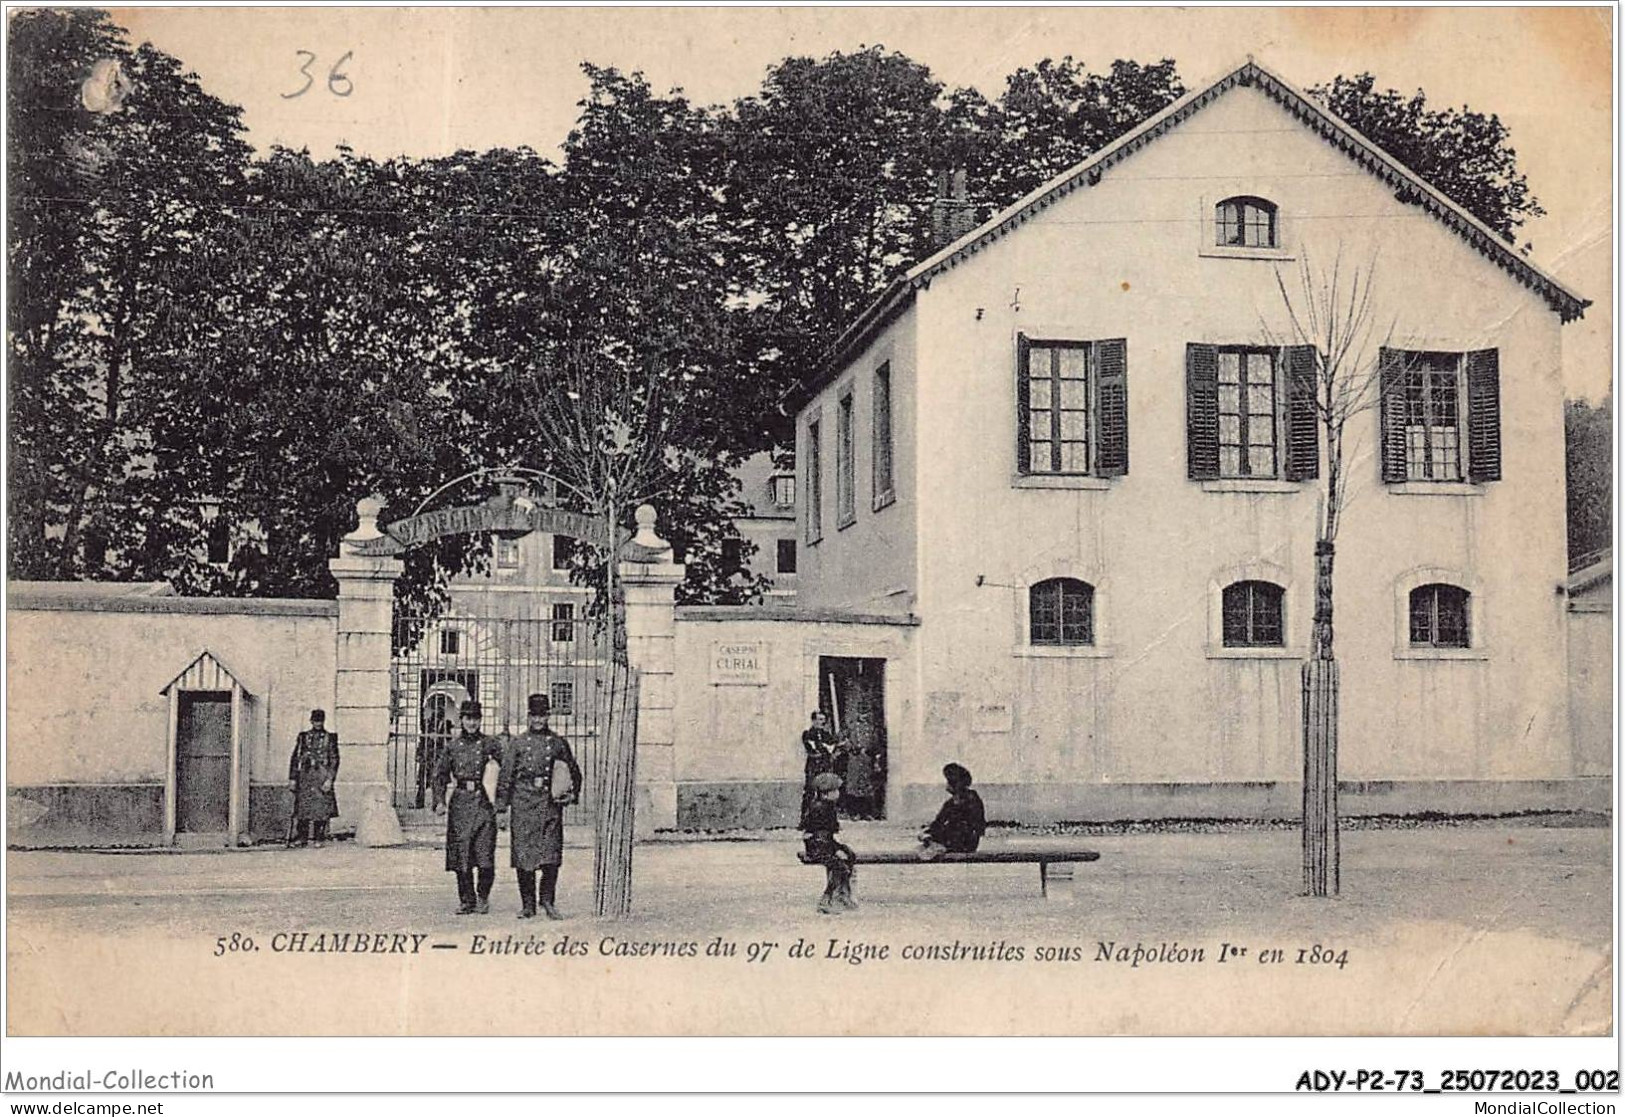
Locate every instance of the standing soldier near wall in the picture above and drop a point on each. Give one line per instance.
(312, 769)
(471, 821)
(532, 784)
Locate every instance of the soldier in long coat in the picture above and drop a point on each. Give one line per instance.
(312, 769)
(471, 820)
(526, 783)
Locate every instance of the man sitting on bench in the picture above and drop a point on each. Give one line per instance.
(960, 823)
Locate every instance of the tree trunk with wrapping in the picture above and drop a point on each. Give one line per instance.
(615, 777)
(1322, 871)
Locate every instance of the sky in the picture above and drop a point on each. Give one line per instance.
(427, 81)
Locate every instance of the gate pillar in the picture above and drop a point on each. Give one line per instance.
(649, 580)
(361, 704)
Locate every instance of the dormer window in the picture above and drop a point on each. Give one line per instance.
(1245, 222)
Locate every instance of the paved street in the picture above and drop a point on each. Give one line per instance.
(1486, 928)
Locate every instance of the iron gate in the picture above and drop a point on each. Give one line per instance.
(438, 662)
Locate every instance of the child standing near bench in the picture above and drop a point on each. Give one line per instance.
(820, 825)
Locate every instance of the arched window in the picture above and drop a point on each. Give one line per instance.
(1253, 615)
(1061, 611)
(1245, 222)
(1439, 616)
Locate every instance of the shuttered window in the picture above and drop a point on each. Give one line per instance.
(815, 483)
(1072, 403)
(1441, 415)
(1252, 615)
(881, 458)
(1061, 611)
(1250, 412)
(845, 466)
(1440, 616)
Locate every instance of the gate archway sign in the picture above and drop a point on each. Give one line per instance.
(505, 513)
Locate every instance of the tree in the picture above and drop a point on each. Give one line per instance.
(1588, 449)
(1054, 115)
(624, 376)
(1466, 155)
(322, 378)
(1333, 344)
(121, 164)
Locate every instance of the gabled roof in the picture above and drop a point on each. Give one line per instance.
(205, 672)
(1328, 125)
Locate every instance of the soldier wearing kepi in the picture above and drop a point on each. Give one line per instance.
(312, 769)
(471, 821)
(533, 784)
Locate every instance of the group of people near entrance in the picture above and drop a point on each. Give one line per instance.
(537, 778)
(957, 828)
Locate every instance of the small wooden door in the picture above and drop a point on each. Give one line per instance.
(203, 762)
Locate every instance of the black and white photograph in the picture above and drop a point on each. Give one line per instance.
(821, 521)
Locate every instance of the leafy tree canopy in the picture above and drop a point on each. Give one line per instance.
(1467, 155)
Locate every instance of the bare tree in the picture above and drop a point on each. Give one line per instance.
(1335, 339)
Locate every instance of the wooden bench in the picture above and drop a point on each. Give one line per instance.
(1041, 855)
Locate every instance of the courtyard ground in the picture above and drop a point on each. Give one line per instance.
(1482, 930)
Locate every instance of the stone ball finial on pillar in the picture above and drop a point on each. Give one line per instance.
(366, 510)
(646, 537)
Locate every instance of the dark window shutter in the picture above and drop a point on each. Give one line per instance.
(1391, 383)
(1111, 447)
(1302, 421)
(1023, 462)
(1201, 411)
(1484, 415)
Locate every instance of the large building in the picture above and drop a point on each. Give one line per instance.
(1059, 487)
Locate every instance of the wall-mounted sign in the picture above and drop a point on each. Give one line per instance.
(991, 717)
(735, 663)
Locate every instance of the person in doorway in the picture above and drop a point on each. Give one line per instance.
(822, 848)
(312, 769)
(959, 825)
(471, 820)
(530, 783)
(818, 746)
(858, 774)
(431, 744)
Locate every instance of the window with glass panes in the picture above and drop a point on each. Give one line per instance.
(1245, 223)
(562, 698)
(1439, 616)
(1061, 611)
(1247, 412)
(1058, 407)
(1252, 615)
(1433, 417)
(563, 626)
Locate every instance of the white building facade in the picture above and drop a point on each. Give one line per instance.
(1066, 452)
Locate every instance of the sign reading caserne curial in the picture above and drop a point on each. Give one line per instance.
(736, 663)
(502, 513)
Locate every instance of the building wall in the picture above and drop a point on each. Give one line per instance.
(869, 565)
(738, 754)
(766, 521)
(1591, 678)
(1156, 708)
(87, 726)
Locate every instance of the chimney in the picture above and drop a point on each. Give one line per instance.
(952, 212)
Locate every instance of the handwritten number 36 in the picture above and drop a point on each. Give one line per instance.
(338, 83)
